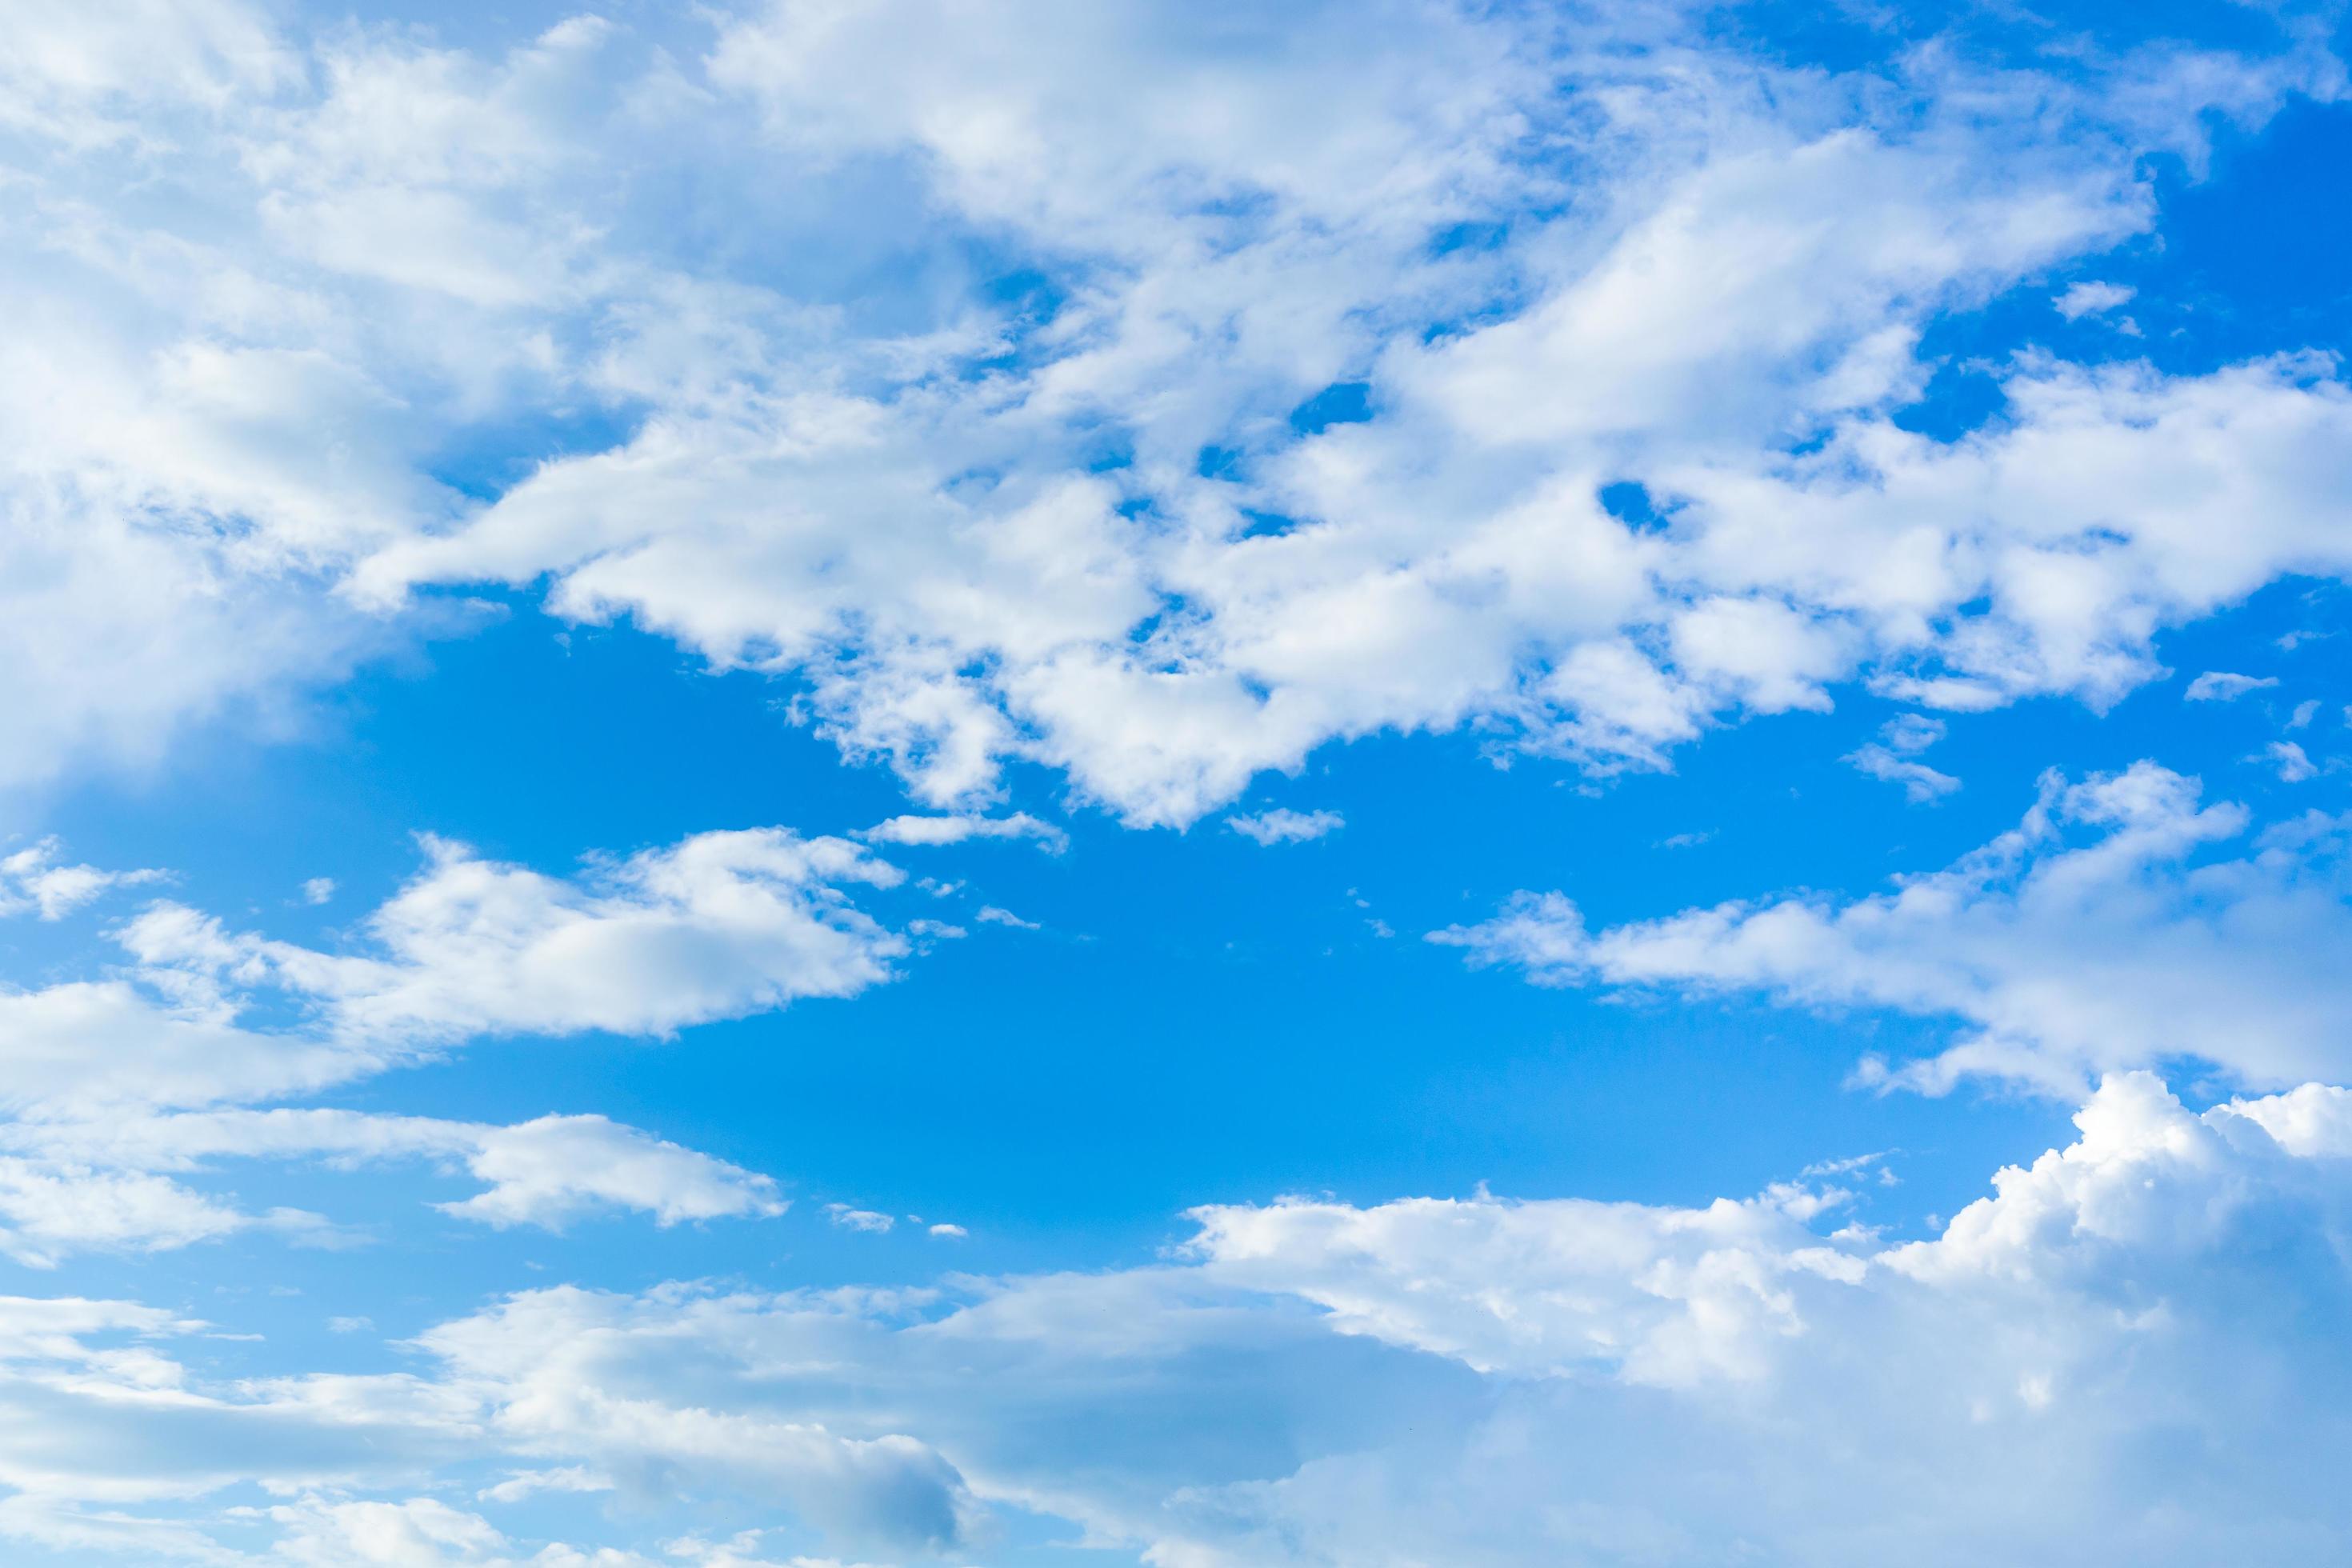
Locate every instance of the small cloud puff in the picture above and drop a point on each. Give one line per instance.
(1893, 757)
(1285, 826)
(2293, 763)
(2225, 685)
(32, 879)
(2091, 299)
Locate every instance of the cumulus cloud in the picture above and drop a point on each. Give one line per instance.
(1107, 530)
(718, 925)
(2103, 932)
(1310, 1382)
(50, 1208)
(120, 1087)
(36, 878)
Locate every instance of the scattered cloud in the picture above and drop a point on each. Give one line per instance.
(1894, 757)
(2293, 766)
(34, 879)
(2223, 686)
(2100, 935)
(2088, 298)
(1455, 1361)
(1282, 826)
(957, 829)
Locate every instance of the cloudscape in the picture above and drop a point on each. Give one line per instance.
(1414, 784)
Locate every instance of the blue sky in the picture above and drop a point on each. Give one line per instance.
(890, 782)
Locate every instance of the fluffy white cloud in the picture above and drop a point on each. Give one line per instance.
(50, 1208)
(34, 879)
(1084, 527)
(2128, 1347)
(2100, 933)
(119, 1087)
(718, 925)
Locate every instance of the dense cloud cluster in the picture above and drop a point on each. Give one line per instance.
(1131, 416)
(2103, 1356)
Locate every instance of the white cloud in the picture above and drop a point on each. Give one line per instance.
(957, 829)
(563, 1478)
(32, 878)
(2224, 686)
(951, 1232)
(1283, 825)
(94, 1186)
(898, 496)
(119, 1087)
(2090, 298)
(989, 914)
(49, 1209)
(317, 889)
(1479, 1379)
(416, 1532)
(2097, 935)
(717, 925)
(2292, 764)
(849, 1218)
(1894, 757)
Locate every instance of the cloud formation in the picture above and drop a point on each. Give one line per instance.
(1517, 1378)
(1303, 426)
(119, 1087)
(2103, 932)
